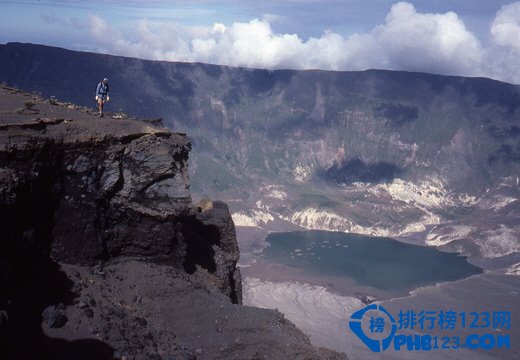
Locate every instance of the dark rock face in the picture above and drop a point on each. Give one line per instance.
(87, 198)
(212, 225)
(103, 255)
(121, 199)
(53, 317)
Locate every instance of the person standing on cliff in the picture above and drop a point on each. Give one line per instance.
(102, 95)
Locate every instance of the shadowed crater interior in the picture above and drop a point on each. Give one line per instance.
(356, 170)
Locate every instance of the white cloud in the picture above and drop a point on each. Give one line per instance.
(502, 59)
(434, 42)
(505, 29)
(101, 31)
(408, 40)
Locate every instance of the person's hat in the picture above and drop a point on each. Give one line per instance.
(105, 80)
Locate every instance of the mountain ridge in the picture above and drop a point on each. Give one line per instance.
(429, 151)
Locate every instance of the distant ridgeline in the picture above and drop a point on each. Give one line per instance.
(385, 124)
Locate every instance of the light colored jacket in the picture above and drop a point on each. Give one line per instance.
(102, 90)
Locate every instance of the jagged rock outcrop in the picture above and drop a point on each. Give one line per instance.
(103, 254)
(93, 190)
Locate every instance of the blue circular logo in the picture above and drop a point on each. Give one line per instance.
(374, 326)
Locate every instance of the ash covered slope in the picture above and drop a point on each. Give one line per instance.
(99, 235)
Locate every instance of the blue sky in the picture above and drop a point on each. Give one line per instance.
(454, 37)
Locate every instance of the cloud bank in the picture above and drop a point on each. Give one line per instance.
(407, 40)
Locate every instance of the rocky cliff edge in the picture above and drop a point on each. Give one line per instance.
(102, 253)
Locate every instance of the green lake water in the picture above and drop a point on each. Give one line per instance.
(379, 262)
